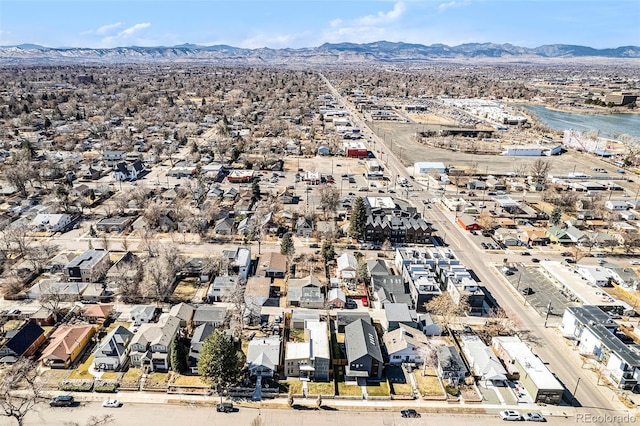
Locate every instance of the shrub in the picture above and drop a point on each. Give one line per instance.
(451, 390)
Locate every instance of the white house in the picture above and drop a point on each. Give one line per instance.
(616, 205)
(347, 265)
(51, 222)
(595, 275)
(405, 344)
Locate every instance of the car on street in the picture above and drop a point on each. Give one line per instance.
(527, 291)
(535, 260)
(410, 413)
(314, 245)
(634, 262)
(224, 407)
(570, 260)
(510, 415)
(62, 401)
(525, 253)
(352, 247)
(534, 417)
(111, 403)
(565, 253)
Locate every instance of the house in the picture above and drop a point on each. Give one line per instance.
(22, 342)
(112, 353)
(263, 356)
(238, 261)
(483, 362)
(300, 316)
(344, 318)
(272, 265)
(405, 344)
(43, 317)
(595, 275)
(616, 205)
(450, 365)
(396, 314)
(222, 288)
(287, 196)
(575, 235)
(184, 312)
(558, 235)
(364, 356)
(309, 359)
(468, 223)
(508, 237)
(63, 291)
(150, 346)
(534, 237)
(214, 315)
(377, 267)
(304, 227)
(347, 265)
(90, 266)
(256, 294)
(532, 373)
(96, 314)
(336, 298)
(224, 226)
(114, 224)
(428, 326)
(47, 222)
(594, 334)
(306, 293)
(127, 171)
(111, 158)
(200, 334)
(65, 345)
(143, 314)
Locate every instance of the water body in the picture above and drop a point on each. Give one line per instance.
(608, 124)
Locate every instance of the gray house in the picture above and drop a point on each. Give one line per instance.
(113, 352)
(396, 314)
(450, 364)
(263, 356)
(200, 333)
(90, 266)
(364, 356)
(151, 345)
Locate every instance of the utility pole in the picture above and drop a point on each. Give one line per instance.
(549, 309)
(576, 390)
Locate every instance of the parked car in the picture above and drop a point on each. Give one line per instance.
(352, 247)
(225, 407)
(534, 417)
(634, 262)
(570, 260)
(350, 304)
(62, 401)
(410, 413)
(565, 253)
(510, 415)
(527, 291)
(111, 403)
(535, 260)
(525, 253)
(314, 245)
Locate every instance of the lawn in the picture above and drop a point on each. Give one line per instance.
(53, 377)
(131, 378)
(180, 380)
(349, 390)
(295, 386)
(296, 335)
(402, 389)
(157, 380)
(115, 324)
(185, 290)
(381, 390)
(109, 375)
(321, 388)
(428, 384)
(82, 372)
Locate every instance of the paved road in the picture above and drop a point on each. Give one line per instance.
(548, 344)
(137, 414)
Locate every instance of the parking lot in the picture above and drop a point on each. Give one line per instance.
(542, 290)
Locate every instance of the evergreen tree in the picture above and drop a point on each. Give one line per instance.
(328, 252)
(178, 356)
(255, 190)
(286, 245)
(358, 219)
(218, 363)
(362, 273)
(556, 216)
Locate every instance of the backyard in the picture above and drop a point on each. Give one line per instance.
(185, 290)
(429, 384)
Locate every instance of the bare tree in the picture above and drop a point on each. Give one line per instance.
(520, 168)
(329, 198)
(105, 419)
(499, 323)
(20, 390)
(540, 169)
(487, 221)
(446, 309)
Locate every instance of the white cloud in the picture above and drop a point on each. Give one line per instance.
(129, 31)
(126, 35)
(383, 18)
(104, 30)
(364, 29)
(452, 4)
(272, 41)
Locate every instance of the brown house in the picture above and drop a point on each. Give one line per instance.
(96, 314)
(66, 344)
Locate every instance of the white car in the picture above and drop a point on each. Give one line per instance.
(634, 262)
(111, 403)
(510, 415)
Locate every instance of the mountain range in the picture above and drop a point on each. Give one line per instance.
(326, 54)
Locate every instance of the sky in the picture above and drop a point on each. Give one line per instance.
(310, 23)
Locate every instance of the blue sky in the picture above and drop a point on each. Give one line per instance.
(308, 23)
